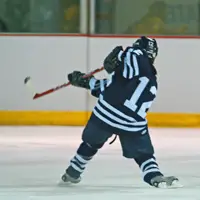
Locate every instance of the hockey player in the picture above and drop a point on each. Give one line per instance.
(123, 102)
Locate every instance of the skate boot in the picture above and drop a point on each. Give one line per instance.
(71, 176)
(78, 164)
(165, 182)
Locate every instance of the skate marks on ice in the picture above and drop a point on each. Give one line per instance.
(97, 192)
(84, 190)
(32, 161)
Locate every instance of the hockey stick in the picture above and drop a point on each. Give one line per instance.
(27, 82)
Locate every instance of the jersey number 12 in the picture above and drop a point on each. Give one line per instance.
(131, 103)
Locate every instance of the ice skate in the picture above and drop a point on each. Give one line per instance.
(70, 176)
(66, 178)
(165, 182)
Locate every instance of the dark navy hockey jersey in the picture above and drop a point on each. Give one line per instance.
(125, 98)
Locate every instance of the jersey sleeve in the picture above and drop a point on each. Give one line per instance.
(97, 86)
(130, 64)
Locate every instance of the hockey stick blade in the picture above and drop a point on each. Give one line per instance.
(38, 95)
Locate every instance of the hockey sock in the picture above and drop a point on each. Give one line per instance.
(78, 163)
(149, 167)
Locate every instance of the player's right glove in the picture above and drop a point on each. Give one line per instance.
(111, 62)
(76, 79)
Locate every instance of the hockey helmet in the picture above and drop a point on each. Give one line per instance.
(149, 45)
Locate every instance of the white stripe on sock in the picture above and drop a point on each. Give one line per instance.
(81, 159)
(149, 171)
(76, 167)
(150, 166)
(146, 162)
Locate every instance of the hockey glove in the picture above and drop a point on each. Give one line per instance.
(111, 62)
(76, 79)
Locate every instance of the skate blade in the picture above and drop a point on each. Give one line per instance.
(64, 184)
(69, 181)
(175, 184)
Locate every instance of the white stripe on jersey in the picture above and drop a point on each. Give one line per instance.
(107, 121)
(135, 65)
(131, 71)
(97, 84)
(131, 66)
(116, 118)
(114, 110)
(110, 79)
(102, 85)
(127, 67)
(120, 55)
(125, 71)
(92, 83)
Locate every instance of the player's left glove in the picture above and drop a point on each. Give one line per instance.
(76, 79)
(111, 62)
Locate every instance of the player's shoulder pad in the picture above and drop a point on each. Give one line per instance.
(132, 50)
(137, 52)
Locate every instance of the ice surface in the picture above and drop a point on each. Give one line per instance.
(32, 160)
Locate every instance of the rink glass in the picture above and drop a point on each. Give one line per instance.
(132, 17)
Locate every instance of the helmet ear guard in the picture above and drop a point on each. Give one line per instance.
(149, 46)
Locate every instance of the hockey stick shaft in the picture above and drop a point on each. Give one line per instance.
(38, 95)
